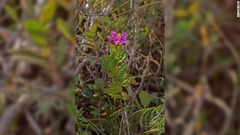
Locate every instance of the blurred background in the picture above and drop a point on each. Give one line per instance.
(202, 67)
(36, 67)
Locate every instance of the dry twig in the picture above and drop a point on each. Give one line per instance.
(12, 112)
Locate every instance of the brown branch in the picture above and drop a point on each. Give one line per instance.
(3, 2)
(28, 8)
(180, 83)
(108, 7)
(141, 83)
(12, 112)
(237, 85)
(136, 32)
(33, 123)
(79, 66)
(91, 73)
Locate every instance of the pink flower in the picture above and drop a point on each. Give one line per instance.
(113, 37)
(123, 39)
(118, 39)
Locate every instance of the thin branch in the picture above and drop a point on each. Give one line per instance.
(12, 112)
(237, 84)
(136, 32)
(33, 123)
(3, 2)
(108, 7)
(91, 73)
(141, 83)
(181, 84)
(79, 66)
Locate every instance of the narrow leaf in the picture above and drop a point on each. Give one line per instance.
(11, 12)
(63, 29)
(36, 31)
(48, 11)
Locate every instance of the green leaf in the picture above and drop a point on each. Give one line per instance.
(99, 83)
(88, 46)
(124, 95)
(95, 110)
(62, 50)
(31, 57)
(89, 93)
(123, 68)
(11, 12)
(63, 29)
(134, 82)
(91, 86)
(90, 36)
(115, 23)
(181, 31)
(107, 21)
(48, 12)
(71, 109)
(126, 82)
(116, 96)
(96, 94)
(113, 89)
(145, 98)
(77, 78)
(36, 31)
(100, 36)
(94, 29)
(2, 102)
(105, 106)
(123, 58)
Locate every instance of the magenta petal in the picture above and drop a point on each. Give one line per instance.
(118, 40)
(124, 35)
(113, 33)
(109, 37)
(124, 41)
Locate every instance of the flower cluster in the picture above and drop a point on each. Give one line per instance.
(118, 39)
